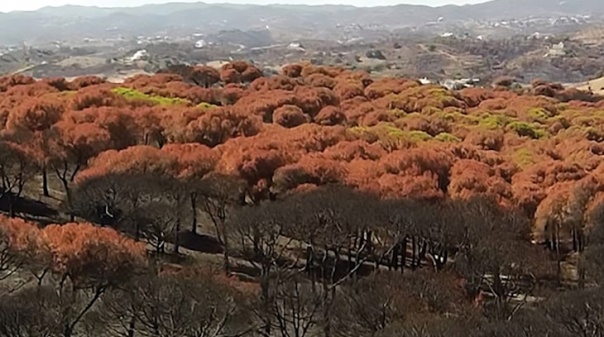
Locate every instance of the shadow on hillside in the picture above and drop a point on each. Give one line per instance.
(200, 243)
(246, 271)
(28, 207)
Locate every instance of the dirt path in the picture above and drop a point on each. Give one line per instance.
(596, 85)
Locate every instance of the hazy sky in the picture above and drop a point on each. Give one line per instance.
(12, 5)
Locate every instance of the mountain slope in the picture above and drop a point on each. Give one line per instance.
(75, 22)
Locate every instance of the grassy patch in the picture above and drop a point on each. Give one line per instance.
(135, 95)
(493, 122)
(524, 129)
(458, 117)
(446, 137)
(538, 115)
(387, 132)
(398, 113)
(418, 136)
(594, 134)
(523, 157)
(206, 106)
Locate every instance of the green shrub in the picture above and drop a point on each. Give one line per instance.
(524, 129)
(67, 93)
(539, 115)
(458, 117)
(398, 113)
(206, 106)
(417, 136)
(360, 132)
(135, 95)
(523, 157)
(390, 130)
(594, 134)
(431, 110)
(493, 122)
(446, 137)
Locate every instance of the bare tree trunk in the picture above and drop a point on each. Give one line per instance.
(69, 201)
(45, 182)
(226, 256)
(558, 257)
(11, 202)
(413, 252)
(581, 272)
(131, 326)
(176, 236)
(265, 298)
(350, 248)
(194, 212)
(575, 240)
(403, 253)
(137, 231)
(327, 309)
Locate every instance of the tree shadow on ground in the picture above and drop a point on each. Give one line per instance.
(200, 243)
(31, 208)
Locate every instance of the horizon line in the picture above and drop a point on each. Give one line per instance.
(232, 4)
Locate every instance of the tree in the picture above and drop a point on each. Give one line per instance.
(157, 221)
(72, 145)
(219, 125)
(17, 240)
(290, 116)
(219, 196)
(579, 313)
(292, 70)
(177, 305)
(108, 199)
(16, 169)
(296, 305)
(260, 230)
(32, 312)
(494, 254)
(88, 261)
(376, 304)
(204, 76)
(32, 120)
(194, 161)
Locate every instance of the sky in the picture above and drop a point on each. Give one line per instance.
(11, 5)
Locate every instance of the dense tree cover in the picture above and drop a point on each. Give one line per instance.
(340, 205)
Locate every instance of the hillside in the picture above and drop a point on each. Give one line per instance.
(326, 22)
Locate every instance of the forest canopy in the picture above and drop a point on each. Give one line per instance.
(292, 175)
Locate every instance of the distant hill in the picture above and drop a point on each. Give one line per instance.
(295, 21)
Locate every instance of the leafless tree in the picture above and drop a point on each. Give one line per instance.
(175, 305)
(218, 195)
(296, 305)
(494, 253)
(32, 312)
(157, 221)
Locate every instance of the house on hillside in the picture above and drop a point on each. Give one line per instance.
(460, 84)
(200, 44)
(556, 50)
(139, 56)
(296, 46)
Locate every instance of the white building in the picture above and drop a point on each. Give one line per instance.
(139, 55)
(200, 44)
(295, 46)
(556, 50)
